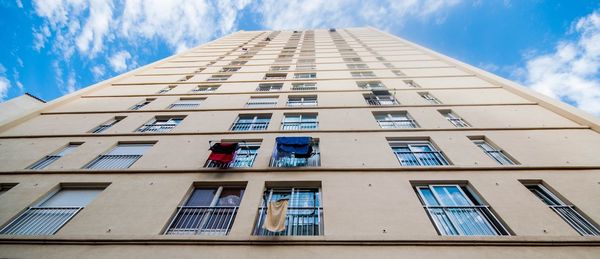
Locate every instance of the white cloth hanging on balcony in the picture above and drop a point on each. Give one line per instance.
(276, 215)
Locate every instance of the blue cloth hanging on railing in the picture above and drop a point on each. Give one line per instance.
(299, 146)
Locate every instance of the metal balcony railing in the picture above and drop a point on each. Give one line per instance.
(183, 106)
(426, 158)
(164, 127)
(291, 161)
(137, 107)
(304, 88)
(40, 221)
(302, 103)
(274, 77)
(261, 103)
(460, 123)
(267, 89)
(101, 128)
(202, 220)
(300, 125)
(248, 126)
(393, 124)
(384, 100)
(477, 220)
(300, 221)
(578, 222)
(242, 159)
(499, 156)
(42, 163)
(113, 161)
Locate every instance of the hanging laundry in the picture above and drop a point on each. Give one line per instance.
(300, 147)
(276, 215)
(223, 152)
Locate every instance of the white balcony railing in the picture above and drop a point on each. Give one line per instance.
(202, 220)
(40, 221)
(113, 161)
(300, 221)
(157, 128)
(476, 220)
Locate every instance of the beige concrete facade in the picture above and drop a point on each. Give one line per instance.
(370, 205)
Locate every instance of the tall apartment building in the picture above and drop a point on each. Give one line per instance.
(381, 147)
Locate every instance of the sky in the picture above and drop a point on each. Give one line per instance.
(53, 47)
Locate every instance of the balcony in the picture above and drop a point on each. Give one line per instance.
(244, 158)
(382, 100)
(44, 162)
(579, 223)
(157, 128)
(113, 161)
(40, 221)
(202, 220)
(302, 103)
(395, 124)
(300, 221)
(300, 125)
(476, 220)
(249, 126)
(423, 158)
(183, 106)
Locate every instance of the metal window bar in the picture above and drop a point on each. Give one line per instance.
(113, 161)
(305, 125)
(139, 106)
(475, 220)
(183, 106)
(430, 98)
(244, 157)
(40, 221)
(458, 122)
(381, 100)
(302, 102)
(300, 220)
(202, 220)
(158, 127)
(290, 161)
(499, 156)
(261, 102)
(424, 158)
(304, 87)
(102, 127)
(42, 163)
(573, 218)
(248, 126)
(397, 123)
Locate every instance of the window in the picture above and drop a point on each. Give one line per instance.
(166, 89)
(243, 158)
(237, 63)
(304, 86)
(417, 153)
(205, 88)
(395, 120)
(161, 124)
(275, 76)
(456, 211)
(352, 60)
(230, 69)
(430, 98)
(218, 78)
(50, 215)
(304, 215)
(379, 98)
(120, 157)
(49, 159)
(269, 87)
(370, 85)
(305, 75)
(302, 101)
(357, 66)
(492, 151)
(306, 60)
(398, 73)
(142, 104)
(4, 187)
(389, 65)
(301, 121)
(185, 78)
(296, 152)
(247, 122)
(207, 211)
(188, 103)
(568, 213)
(411, 83)
(380, 58)
(280, 68)
(363, 74)
(266, 101)
(306, 67)
(104, 126)
(456, 120)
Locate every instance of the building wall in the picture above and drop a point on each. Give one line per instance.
(370, 206)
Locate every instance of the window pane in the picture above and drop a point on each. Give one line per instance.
(451, 196)
(230, 197)
(201, 197)
(71, 198)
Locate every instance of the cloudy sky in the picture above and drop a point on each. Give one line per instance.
(53, 47)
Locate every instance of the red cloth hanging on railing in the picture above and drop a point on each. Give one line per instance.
(223, 152)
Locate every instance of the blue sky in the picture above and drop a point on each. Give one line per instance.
(53, 47)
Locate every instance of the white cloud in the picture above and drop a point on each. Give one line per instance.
(118, 61)
(4, 83)
(19, 3)
(98, 71)
(571, 73)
